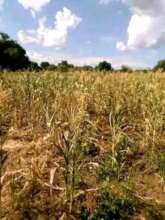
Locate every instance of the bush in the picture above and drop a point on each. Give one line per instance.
(153, 214)
(114, 166)
(113, 207)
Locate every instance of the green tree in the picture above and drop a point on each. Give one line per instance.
(64, 66)
(45, 65)
(160, 65)
(34, 66)
(104, 66)
(126, 69)
(48, 66)
(52, 67)
(12, 55)
(87, 68)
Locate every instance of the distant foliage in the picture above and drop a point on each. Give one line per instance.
(104, 66)
(34, 66)
(12, 55)
(64, 66)
(44, 65)
(126, 69)
(160, 65)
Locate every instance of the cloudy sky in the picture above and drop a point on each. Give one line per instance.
(130, 32)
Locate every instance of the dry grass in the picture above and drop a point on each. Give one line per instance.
(70, 136)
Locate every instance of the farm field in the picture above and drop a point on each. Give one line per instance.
(82, 145)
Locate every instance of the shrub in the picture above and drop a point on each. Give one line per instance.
(161, 164)
(113, 207)
(152, 214)
(113, 165)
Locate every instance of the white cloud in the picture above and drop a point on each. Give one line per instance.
(1, 4)
(55, 36)
(106, 2)
(121, 46)
(33, 13)
(38, 57)
(146, 28)
(116, 62)
(28, 37)
(35, 5)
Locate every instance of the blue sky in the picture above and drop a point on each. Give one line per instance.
(86, 32)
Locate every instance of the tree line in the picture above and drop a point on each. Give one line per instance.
(13, 57)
